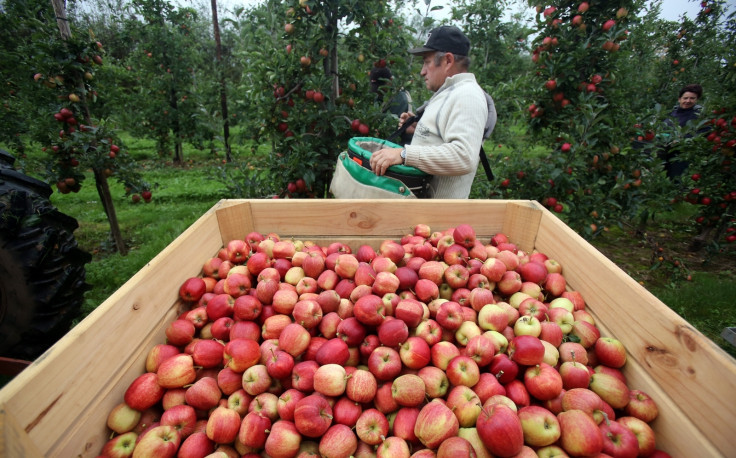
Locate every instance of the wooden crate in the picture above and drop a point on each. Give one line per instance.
(58, 405)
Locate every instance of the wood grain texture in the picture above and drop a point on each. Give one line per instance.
(58, 406)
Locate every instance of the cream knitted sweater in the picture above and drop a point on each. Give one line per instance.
(449, 135)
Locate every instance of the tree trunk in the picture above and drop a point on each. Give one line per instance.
(223, 91)
(103, 189)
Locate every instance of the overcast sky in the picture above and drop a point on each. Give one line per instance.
(672, 10)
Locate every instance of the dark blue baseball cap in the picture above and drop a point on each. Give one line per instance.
(445, 38)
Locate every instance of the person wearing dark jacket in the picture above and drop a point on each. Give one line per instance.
(686, 110)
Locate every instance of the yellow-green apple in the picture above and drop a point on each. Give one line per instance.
(334, 351)
(501, 399)
(641, 406)
(339, 440)
(384, 363)
(415, 353)
(551, 451)
(562, 317)
(403, 424)
(240, 354)
(123, 418)
(392, 447)
(517, 392)
(576, 298)
(239, 401)
(442, 353)
(527, 326)
(313, 415)
(553, 266)
(543, 381)
(471, 435)
(526, 350)
(330, 380)
(283, 440)
(435, 423)
(574, 375)
(644, 434)
(610, 389)
(580, 435)
(372, 427)
(491, 317)
(408, 390)
(256, 380)
(540, 426)
(435, 381)
(618, 441)
(462, 370)
(159, 441)
(196, 445)
(120, 446)
(610, 352)
(499, 427)
(208, 353)
(465, 404)
(144, 392)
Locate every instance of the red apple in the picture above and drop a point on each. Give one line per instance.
(372, 427)
(435, 423)
(500, 430)
(580, 435)
(618, 441)
(160, 441)
(540, 426)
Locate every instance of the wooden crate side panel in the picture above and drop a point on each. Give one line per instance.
(357, 219)
(522, 220)
(61, 401)
(671, 356)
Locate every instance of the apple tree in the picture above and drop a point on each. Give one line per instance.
(592, 174)
(305, 88)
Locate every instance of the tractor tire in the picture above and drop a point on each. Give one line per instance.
(42, 271)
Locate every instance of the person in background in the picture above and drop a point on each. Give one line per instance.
(686, 110)
(457, 118)
(381, 82)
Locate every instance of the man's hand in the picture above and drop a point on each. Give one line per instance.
(384, 158)
(402, 120)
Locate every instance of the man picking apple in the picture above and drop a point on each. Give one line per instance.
(454, 122)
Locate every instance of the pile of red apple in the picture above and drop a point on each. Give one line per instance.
(434, 345)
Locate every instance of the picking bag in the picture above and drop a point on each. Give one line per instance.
(354, 179)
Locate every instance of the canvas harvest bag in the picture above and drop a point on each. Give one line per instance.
(354, 179)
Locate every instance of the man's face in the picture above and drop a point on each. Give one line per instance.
(688, 100)
(434, 75)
